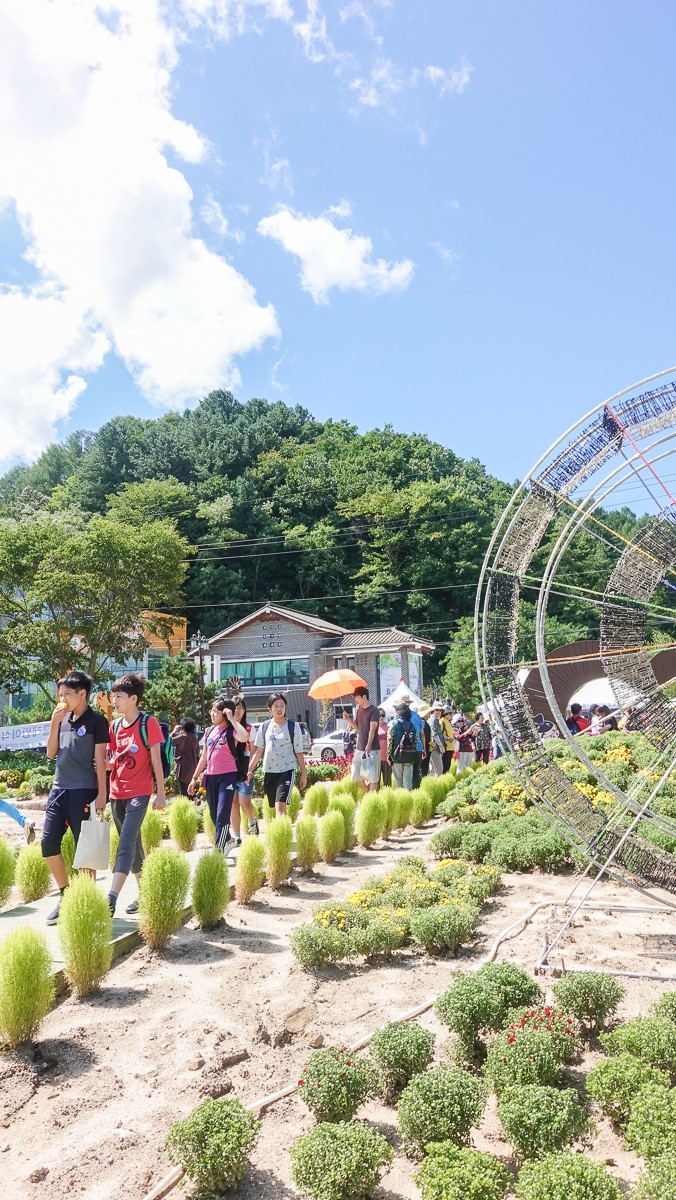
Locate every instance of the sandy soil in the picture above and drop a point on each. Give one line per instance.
(87, 1110)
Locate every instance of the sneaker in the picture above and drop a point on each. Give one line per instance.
(132, 908)
(112, 901)
(253, 828)
(54, 914)
(238, 840)
(29, 830)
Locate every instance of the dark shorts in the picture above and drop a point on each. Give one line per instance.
(66, 809)
(278, 786)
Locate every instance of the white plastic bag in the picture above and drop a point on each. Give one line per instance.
(93, 845)
(368, 769)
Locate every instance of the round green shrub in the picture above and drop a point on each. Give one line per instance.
(307, 850)
(591, 996)
(651, 1128)
(480, 1003)
(652, 1039)
(6, 871)
(529, 1058)
(350, 786)
(422, 807)
(33, 877)
(212, 1144)
(345, 804)
(278, 840)
(452, 1172)
(210, 888)
(152, 830)
(566, 1176)
(437, 786)
(666, 1006)
(249, 873)
(614, 1082)
(162, 895)
(341, 1161)
(316, 800)
(371, 817)
(385, 932)
(659, 1181)
(331, 835)
(336, 1082)
(183, 823)
(553, 1023)
(440, 1105)
(26, 985)
(444, 926)
(313, 945)
(401, 1050)
(539, 1120)
(85, 931)
(41, 782)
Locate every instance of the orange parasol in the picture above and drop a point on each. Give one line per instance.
(334, 684)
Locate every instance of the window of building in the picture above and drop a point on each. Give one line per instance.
(273, 673)
(338, 663)
(155, 658)
(350, 664)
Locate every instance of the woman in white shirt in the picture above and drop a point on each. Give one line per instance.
(279, 742)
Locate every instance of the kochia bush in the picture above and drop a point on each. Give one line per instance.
(210, 888)
(331, 835)
(316, 800)
(212, 1144)
(183, 823)
(33, 877)
(26, 985)
(85, 930)
(6, 871)
(249, 873)
(278, 841)
(151, 830)
(162, 895)
(307, 850)
(345, 805)
(371, 815)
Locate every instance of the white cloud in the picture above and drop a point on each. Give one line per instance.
(342, 209)
(276, 173)
(85, 124)
(213, 216)
(226, 18)
(385, 81)
(312, 33)
(454, 80)
(333, 258)
(447, 256)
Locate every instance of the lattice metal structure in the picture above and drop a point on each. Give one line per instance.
(621, 440)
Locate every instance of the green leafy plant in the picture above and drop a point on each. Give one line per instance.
(451, 1172)
(213, 1142)
(422, 807)
(6, 871)
(68, 852)
(538, 1120)
(390, 800)
(614, 1082)
(404, 807)
(114, 843)
(151, 830)
(26, 985)
(85, 931)
(351, 787)
(438, 787)
(335, 1083)
(555, 1024)
(278, 840)
(316, 800)
(385, 932)
(529, 1058)
(566, 1176)
(210, 888)
(401, 1050)
(41, 782)
(307, 850)
(665, 1006)
(313, 945)
(652, 1039)
(339, 1161)
(162, 895)
(331, 835)
(444, 926)
(652, 1121)
(370, 823)
(480, 1003)
(345, 805)
(33, 878)
(440, 1105)
(183, 823)
(591, 996)
(250, 873)
(294, 805)
(659, 1181)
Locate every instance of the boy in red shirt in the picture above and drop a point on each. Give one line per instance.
(133, 758)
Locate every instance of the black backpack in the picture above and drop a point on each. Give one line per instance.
(407, 745)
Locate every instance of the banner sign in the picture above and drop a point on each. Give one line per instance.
(415, 672)
(390, 673)
(24, 737)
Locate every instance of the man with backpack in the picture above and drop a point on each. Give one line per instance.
(134, 756)
(402, 747)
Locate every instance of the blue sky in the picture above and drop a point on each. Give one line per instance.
(188, 183)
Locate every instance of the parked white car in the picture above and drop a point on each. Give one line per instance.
(329, 747)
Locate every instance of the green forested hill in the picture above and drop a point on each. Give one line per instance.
(380, 527)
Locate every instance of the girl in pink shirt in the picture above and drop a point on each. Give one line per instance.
(218, 764)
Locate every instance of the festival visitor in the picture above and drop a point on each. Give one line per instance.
(416, 721)
(438, 745)
(77, 739)
(218, 762)
(186, 746)
(608, 721)
(449, 739)
(134, 756)
(279, 742)
(385, 768)
(464, 743)
(402, 741)
(576, 722)
(481, 735)
(366, 727)
(16, 815)
(427, 748)
(244, 786)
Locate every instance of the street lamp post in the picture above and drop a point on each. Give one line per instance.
(199, 642)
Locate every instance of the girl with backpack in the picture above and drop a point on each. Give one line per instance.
(218, 763)
(244, 786)
(402, 747)
(279, 742)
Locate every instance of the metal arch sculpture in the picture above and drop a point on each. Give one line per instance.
(620, 440)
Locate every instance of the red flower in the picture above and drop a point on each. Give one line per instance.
(301, 1082)
(511, 1041)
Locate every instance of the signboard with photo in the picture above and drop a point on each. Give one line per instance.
(389, 668)
(415, 672)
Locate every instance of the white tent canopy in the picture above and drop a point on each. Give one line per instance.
(401, 693)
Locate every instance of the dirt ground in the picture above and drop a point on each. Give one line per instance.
(87, 1110)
